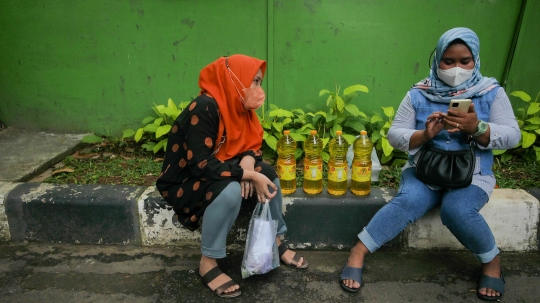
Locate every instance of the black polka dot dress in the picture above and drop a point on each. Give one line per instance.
(191, 176)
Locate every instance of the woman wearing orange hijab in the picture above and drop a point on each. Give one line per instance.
(213, 162)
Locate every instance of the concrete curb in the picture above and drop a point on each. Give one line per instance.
(133, 215)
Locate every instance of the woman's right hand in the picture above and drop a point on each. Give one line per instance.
(262, 185)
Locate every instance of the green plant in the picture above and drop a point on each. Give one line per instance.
(378, 127)
(155, 129)
(529, 123)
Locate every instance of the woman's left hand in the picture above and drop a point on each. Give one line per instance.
(248, 189)
(462, 122)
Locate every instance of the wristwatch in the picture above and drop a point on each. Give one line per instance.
(481, 128)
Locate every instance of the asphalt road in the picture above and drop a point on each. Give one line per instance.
(76, 273)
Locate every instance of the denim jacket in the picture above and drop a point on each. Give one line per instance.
(455, 141)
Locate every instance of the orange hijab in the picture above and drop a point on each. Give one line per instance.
(242, 127)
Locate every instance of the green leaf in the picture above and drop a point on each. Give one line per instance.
(386, 147)
(127, 133)
(335, 128)
(340, 103)
(321, 113)
(355, 88)
(297, 153)
(330, 101)
(278, 126)
(375, 119)
(325, 141)
(171, 105)
(138, 134)
(375, 136)
(162, 130)
(287, 121)
(350, 138)
(324, 92)
(533, 108)
(149, 145)
(353, 109)
(522, 95)
(330, 117)
(91, 139)
(158, 121)
(528, 139)
(171, 112)
(148, 119)
(298, 110)
(280, 113)
(325, 156)
(150, 128)
(298, 137)
(159, 145)
(357, 125)
(388, 111)
(271, 141)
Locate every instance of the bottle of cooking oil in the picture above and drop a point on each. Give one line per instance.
(286, 164)
(313, 164)
(361, 165)
(337, 165)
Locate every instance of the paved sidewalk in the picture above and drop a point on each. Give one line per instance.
(43, 273)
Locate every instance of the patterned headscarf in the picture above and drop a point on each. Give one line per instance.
(436, 90)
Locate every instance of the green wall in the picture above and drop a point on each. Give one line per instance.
(524, 72)
(98, 66)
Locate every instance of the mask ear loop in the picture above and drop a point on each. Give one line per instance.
(230, 72)
(431, 56)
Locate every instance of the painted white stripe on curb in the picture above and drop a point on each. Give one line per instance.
(156, 224)
(5, 188)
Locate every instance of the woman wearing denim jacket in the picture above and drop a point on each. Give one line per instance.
(421, 118)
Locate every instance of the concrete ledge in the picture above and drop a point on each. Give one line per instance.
(78, 214)
(125, 215)
(327, 221)
(512, 215)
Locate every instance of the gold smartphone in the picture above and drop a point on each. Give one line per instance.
(461, 105)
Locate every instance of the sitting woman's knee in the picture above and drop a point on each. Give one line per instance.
(231, 196)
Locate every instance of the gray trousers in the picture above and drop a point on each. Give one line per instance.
(220, 215)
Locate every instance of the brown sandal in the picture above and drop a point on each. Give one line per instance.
(219, 291)
(282, 248)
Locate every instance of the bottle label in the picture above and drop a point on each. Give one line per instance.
(337, 174)
(361, 174)
(286, 172)
(313, 172)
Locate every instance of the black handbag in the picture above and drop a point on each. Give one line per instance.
(444, 168)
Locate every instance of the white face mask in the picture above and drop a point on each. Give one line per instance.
(455, 75)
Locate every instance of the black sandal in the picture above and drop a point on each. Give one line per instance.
(282, 248)
(219, 291)
(497, 284)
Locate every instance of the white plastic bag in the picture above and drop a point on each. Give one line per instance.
(261, 253)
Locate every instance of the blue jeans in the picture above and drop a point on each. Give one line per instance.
(459, 213)
(220, 215)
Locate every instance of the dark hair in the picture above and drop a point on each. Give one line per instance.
(458, 41)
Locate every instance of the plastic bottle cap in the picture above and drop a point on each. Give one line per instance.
(313, 132)
(363, 132)
(286, 132)
(338, 132)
